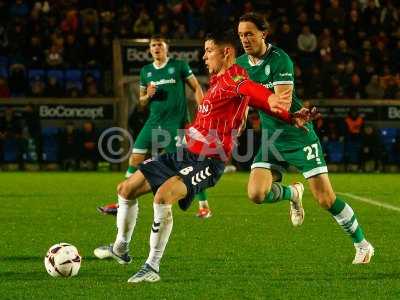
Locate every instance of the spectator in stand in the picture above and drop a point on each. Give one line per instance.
(371, 148)
(355, 90)
(72, 52)
(4, 12)
(314, 85)
(17, 80)
(343, 53)
(4, 90)
(53, 88)
(374, 89)
(354, 123)
(334, 14)
(286, 39)
(69, 151)
(19, 9)
(143, 26)
(37, 87)
(180, 32)
(353, 26)
(88, 145)
(17, 38)
(92, 91)
(90, 22)
(72, 91)
(70, 23)
(54, 57)
(162, 16)
(391, 89)
(3, 39)
(316, 19)
(35, 53)
(31, 120)
(307, 44)
(93, 52)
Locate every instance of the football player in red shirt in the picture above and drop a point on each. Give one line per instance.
(174, 177)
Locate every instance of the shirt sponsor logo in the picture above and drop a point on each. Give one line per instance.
(164, 81)
(267, 70)
(285, 74)
(205, 108)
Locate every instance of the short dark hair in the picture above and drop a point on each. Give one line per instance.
(158, 37)
(223, 37)
(257, 19)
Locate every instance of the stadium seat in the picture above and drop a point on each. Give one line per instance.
(11, 150)
(335, 150)
(352, 150)
(96, 73)
(73, 78)
(35, 73)
(3, 71)
(389, 138)
(58, 74)
(50, 144)
(4, 61)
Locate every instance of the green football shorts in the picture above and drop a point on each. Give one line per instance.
(308, 160)
(151, 137)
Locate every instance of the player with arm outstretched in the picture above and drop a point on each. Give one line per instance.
(272, 67)
(177, 177)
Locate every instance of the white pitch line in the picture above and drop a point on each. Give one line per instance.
(370, 201)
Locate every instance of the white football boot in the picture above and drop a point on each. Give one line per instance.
(364, 254)
(102, 252)
(146, 274)
(296, 205)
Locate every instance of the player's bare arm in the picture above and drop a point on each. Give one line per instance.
(286, 91)
(146, 94)
(195, 86)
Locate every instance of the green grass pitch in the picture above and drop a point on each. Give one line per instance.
(245, 251)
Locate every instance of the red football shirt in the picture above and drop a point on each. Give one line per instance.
(219, 117)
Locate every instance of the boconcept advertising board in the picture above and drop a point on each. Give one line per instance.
(135, 54)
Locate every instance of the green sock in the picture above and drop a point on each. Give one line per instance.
(278, 193)
(344, 215)
(130, 171)
(201, 196)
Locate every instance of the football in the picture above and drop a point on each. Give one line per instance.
(62, 260)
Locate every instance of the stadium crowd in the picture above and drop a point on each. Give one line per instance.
(63, 48)
(342, 49)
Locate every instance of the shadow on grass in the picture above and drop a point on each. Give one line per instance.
(21, 258)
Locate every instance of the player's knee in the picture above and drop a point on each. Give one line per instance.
(123, 190)
(256, 195)
(163, 196)
(325, 200)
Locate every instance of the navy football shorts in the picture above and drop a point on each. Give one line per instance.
(198, 173)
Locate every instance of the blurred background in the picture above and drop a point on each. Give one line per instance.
(69, 70)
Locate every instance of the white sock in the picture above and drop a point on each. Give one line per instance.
(203, 204)
(160, 232)
(363, 244)
(126, 221)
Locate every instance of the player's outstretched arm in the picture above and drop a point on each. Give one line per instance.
(265, 100)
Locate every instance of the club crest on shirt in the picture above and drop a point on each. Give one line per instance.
(267, 70)
(237, 78)
(205, 108)
(171, 70)
(149, 74)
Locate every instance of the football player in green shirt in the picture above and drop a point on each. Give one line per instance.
(284, 145)
(162, 88)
